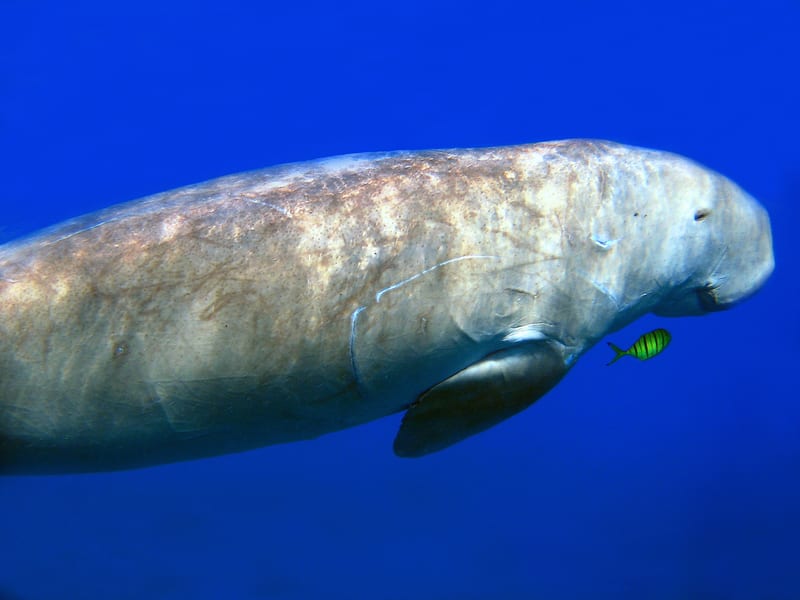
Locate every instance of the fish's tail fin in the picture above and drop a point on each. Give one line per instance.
(620, 353)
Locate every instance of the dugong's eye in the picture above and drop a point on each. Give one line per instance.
(701, 214)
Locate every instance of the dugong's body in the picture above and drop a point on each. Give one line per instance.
(283, 304)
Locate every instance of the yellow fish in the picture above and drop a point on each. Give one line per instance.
(647, 346)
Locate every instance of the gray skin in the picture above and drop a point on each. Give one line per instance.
(282, 304)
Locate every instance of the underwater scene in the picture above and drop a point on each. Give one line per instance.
(479, 301)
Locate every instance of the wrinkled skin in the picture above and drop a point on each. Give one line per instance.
(283, 304)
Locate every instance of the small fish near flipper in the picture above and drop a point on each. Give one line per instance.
(478, 397)
(647, 346)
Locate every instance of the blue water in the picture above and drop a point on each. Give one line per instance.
(674, 478)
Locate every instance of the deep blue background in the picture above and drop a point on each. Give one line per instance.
(674, 478)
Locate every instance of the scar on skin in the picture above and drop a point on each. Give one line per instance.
(428, 270)
(604, 243)
(79, 231)
(603, 289)
(280, 209)
(353, 362)
(360, 309)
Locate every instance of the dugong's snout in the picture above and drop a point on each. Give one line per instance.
(743, 240)
(741, 237)
(708, 300)
(731, 243)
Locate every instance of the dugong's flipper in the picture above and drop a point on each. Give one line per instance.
(478, 397)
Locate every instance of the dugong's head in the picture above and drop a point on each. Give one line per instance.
(730, 239)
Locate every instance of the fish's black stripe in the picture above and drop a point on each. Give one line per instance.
(649, 344)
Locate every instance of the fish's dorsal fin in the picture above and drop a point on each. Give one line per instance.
(478, 397)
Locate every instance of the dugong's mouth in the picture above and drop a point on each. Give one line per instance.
(709, 300)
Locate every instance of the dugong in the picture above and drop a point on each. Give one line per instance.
(458, 286)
